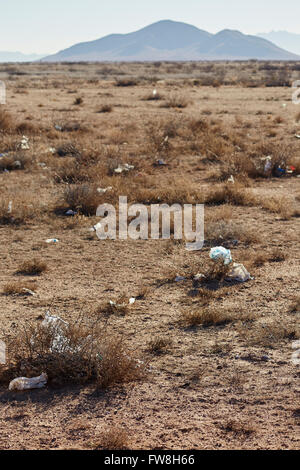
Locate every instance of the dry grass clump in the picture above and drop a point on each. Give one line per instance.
(159, 346)
(82, 198)
(229, 232)
(114, 438)
(261, 257)
(15, 162)
(295, 305)
(68, 149)
(18, 210)
(78, 101)
(119, 307)
(239, 428)
(268, 335)
(33, 267)
(106, 108)
(118, 366)
(205, 317)
(175, 101)
(281, 205)
(18, 288)
(126, 82)
(153, 97)
(7, 123)
(68, 354)
(234, 194)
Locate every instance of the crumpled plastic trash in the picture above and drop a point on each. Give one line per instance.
(70, 212)
(238, 273)
(219, 252)
(52, 240)
(231, 180)
(104, 190)
(25, 143)
(59, 343)
(122, 168)
(23, 383)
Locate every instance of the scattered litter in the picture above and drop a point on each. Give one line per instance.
(70, 212)
(58, 128)
(52, 150)
(198, 277)
(231, 179)
(52, 240)
(10, 205)
(160, 163)
(132, 300)
(239, 273)
(17, 164)
(220, 252)
(104, 190)
(280, 172)
(154, 92)
(27, 291)
(268, 164)
(96, 227)
(23, 383)
(284, 105)
(42, 165)
(59, 343)
(180, 278)
(122, 168)
(25, 143)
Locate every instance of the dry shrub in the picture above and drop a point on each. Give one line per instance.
(239, 428)
(234, 194)
(126, 82)
(114, 438)
(153, 97)
(205, 317)
(229, 232)
(69, 354)
(117, 366)
(82, 198)
(7, 123)
(18, 288)
(119, 307)
(78, 101)
(159, 345)
(280, 205)
(71, 172)
(106, 108)
(68, 149)
(15, 162)
(22, 211)
(295, 305)
(33, 267)
(175, 101)
(268, 335)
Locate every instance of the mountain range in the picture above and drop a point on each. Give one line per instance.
(6, 56)
(289, 41)
(171, 40)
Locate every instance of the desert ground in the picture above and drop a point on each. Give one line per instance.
(196, 362)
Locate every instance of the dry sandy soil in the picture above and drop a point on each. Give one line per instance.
(223, 383)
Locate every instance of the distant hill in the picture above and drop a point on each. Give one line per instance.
(289, 41)
(170, 40)
(18, 57)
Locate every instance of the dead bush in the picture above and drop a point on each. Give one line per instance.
(175, 101)
(33, 267)
(115, 438)
(205, 317)
(82, 198)
(69, 353)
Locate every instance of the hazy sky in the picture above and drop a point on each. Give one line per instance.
(51, 25)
